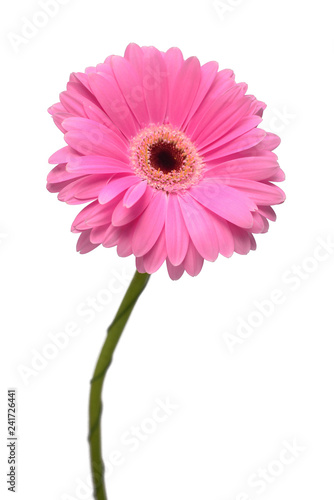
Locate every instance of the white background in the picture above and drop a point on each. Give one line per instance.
(237, 407)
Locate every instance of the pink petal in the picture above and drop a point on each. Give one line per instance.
(200, 227)
(71, 105)
(78, 91)
(86, 145)
(79, 223)
(124, 244)
(155, 84)
(98, 115)
(111, 236)
(259, 192)
(134, 54)
(123, 215)
(247, 153)
(104, 67)
(245, 124)
(208, 74)
(252, 168)
(225, 202)
(115, 187)
(260, 107)
(278, 176)
(177, 237)
(89, 187)
(60, 174)
(265, 223)
(134, 193)
(150, 224)
(97, 165)
(258, 224)
(84, 245)
(140, 265)
(89, 108)
(102, 214)
(154, 259)
(67, 193)
(63, 155)
(110, 97)
(131, 88)
(222, 83)
(58, 120)
(56, 108)
(89, 137)
(193, 261)
(56, 187)
(252, 242)
(242, 241)
(184, 91)
(224, 236)
(175, 272)
(84, 189)
(81, 78)
(174, 61)
(227, 111)
(267, 212)
(270, 142)
(97, 234)
(245, 141)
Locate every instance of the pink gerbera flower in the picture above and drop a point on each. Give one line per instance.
(169, 155)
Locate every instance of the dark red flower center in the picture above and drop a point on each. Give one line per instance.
(166, 157)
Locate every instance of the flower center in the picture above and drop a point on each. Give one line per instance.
(166, 158)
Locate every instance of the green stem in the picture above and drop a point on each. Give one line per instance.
(114, 333)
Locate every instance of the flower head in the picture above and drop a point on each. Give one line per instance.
(169, 157)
